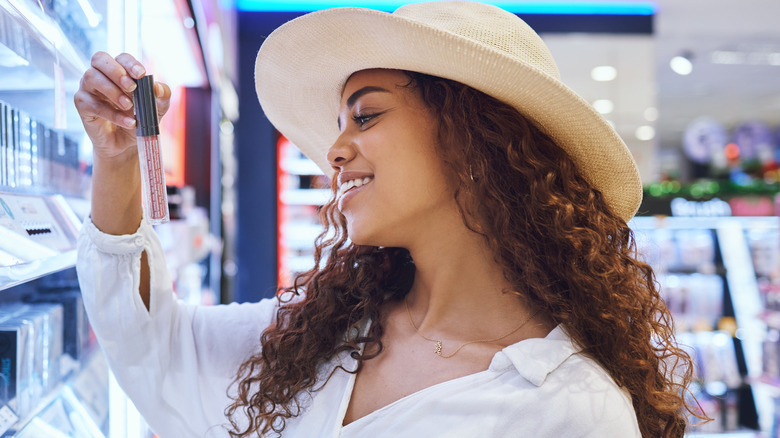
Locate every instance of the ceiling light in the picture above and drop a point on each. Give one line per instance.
(645, 133)
(651, 114)
(681, 64)
(604, 106)
(603, 73)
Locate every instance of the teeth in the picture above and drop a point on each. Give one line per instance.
(354, 183)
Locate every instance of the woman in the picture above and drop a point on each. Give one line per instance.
(477, 277)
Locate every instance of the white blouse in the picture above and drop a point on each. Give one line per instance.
(176, 362)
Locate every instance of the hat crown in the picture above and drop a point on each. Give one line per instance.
(486, 25)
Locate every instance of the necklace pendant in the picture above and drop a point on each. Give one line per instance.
(438, 348)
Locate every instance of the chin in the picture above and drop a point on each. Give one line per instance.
(362, 237)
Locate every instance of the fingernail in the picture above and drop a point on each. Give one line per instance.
(126, 102)
(129, 122)
(158, 90)
(138, 71)
(128, 83)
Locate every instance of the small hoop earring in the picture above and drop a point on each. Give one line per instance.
(471, 175)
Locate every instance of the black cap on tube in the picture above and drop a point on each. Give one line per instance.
(146, 123)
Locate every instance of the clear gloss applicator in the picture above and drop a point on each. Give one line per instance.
(149, 156)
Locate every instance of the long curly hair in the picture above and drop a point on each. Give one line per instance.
(526, 197)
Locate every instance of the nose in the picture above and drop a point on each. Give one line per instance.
(342, 152)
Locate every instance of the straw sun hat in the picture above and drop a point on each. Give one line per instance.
(302, 66)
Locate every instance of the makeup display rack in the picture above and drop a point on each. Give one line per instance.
(52, 383)
(718, 277)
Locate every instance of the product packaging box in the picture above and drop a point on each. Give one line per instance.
(48, 319)
(16, 365)
(30, 352)
(75, 326)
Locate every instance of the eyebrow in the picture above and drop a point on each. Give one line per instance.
(361, 92)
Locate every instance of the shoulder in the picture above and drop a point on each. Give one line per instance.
(591, 399)
(574, 395)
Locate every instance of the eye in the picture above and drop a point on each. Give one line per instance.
(362, 119)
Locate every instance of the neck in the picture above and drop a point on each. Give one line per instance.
(459, 292)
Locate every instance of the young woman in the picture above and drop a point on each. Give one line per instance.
(476, 276)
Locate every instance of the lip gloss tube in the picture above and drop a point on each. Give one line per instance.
(149, 156)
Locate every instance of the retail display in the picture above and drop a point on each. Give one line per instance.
(45, 343)
(32, 154)
(302, 189)
(716, 275)
(31, 345)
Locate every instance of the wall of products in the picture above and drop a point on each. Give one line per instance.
(712, 274)
(302, 189)
(53, 380)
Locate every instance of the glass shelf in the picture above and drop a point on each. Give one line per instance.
(38, 236)
(39, 62)
(15, 275)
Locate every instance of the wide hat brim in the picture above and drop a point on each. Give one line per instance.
(303, 65)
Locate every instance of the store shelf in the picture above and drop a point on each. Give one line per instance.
(15, 275)
(670, 245)
(40, 65)
(305, 196)
(77, 394)
(300, 166)
(37, 237)
(681, 223)
(40, 34)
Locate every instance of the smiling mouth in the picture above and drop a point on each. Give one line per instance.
(354, 183)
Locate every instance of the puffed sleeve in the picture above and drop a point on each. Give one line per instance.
(175, 361)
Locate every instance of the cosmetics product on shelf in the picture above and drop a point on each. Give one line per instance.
(718, 378)
(695, 300)
(688, 250)
(75, 335)
(24, 159)
(717, 359)
(49, 343)
(764, 245)
(696, 249)
(770, 357)
(3, 143)
(33, 156)
(30, 352)
(16, 362)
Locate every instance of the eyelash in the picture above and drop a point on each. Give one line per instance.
(362, 119)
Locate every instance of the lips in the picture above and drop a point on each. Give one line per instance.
(350, 184)
(353, 179)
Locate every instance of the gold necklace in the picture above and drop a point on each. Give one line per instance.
(438, 347)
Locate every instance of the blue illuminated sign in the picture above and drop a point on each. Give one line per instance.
(530, 7)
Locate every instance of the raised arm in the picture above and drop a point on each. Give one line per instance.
(104, 102)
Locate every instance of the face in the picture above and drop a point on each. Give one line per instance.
(392, 186)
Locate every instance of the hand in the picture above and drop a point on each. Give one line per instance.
(105, 103)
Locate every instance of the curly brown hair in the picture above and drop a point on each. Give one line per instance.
(539, 216)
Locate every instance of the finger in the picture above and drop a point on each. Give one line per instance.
(163, 94)
(93, 109)
(98, 84)
(131, 65)
(113, 70)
